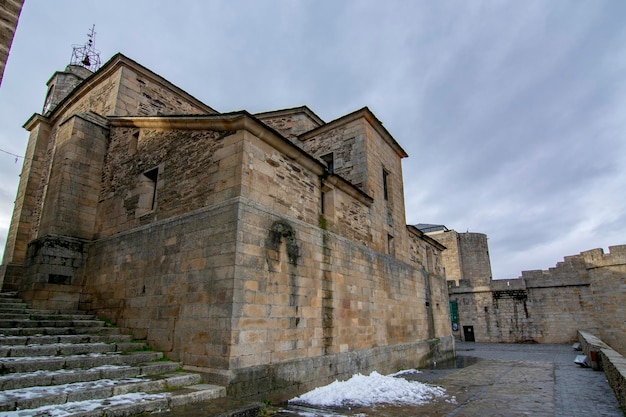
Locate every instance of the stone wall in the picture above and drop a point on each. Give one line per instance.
(291, 123)
(142, 93)
(278, 181)
(75, 176)
(451, 256)
(23, 213)
(384, 169)
(476, 265)
(195, 169)
(170, 282)
(347, 144)
(466, 256)
(607, 275)
(121, 87)
(584, 291)
(298, 297)
(295, 292)
(10, 13)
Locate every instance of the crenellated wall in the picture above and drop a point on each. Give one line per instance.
(584, 292)
(607, 276)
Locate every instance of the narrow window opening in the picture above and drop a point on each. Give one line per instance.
(152, 175)
(329, 159)
(390, 246)
(327, 206)
(430, 267)
(385, 184)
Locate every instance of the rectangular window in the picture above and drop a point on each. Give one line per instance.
(329, 159)
(385, 184)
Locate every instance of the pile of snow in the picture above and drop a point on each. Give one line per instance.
(365, 391)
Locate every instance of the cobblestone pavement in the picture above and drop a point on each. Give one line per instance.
(521, 380)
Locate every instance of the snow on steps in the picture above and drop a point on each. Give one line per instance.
(71, 364)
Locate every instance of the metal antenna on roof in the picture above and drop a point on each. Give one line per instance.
(87, 55)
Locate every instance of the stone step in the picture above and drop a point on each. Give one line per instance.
(43, 315)
(60, 349)
(7, 298)
(77, 338)
(25, 309)
(34, 397)
(68, 376)
(12, 305)
(53, 363)
(57, 331)
(12, 323)
(71, 364)
(134, 403)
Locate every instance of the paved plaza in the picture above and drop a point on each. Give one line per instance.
(486, 380)
(520, 380)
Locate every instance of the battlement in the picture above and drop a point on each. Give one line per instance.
(595, 258)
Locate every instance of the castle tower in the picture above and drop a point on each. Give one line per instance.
(466, 256)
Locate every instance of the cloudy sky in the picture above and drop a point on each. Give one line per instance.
(513, 113)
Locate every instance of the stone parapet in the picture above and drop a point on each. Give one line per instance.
(604, 358)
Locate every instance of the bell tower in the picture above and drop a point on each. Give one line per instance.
(85, 61)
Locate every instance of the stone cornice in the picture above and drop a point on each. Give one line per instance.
(34, 120)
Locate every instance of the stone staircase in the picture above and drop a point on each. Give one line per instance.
(71, 364)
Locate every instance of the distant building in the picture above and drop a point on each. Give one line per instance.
(268, 251)
(584, 292)
(466, 256)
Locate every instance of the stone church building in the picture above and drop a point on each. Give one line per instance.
(268, 251)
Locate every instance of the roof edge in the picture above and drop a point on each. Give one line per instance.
(368, 115)
(417, 232)
(293, 110)
(118, 60)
